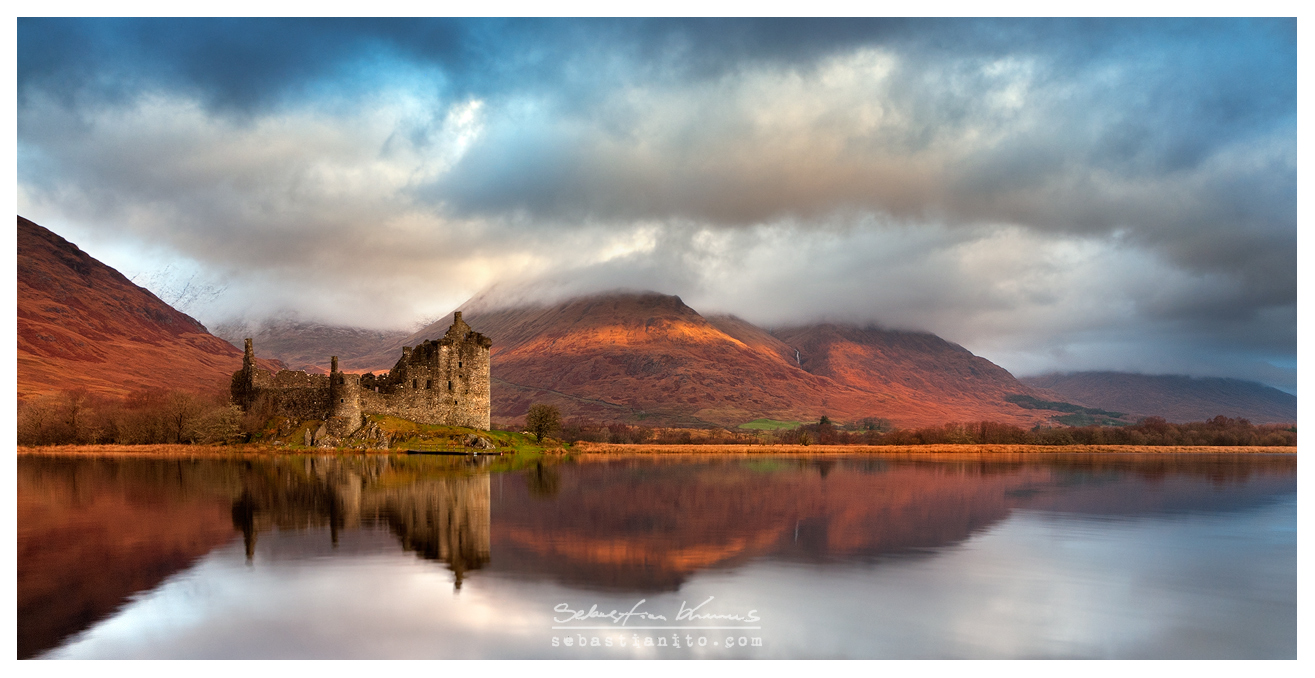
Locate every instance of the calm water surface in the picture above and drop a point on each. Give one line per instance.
(1124, 556)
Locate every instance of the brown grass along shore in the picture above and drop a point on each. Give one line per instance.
(609, 448)
(644, 449)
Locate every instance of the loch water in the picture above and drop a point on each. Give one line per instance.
(753, 557)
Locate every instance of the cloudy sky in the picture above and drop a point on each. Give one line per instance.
(1062, 195)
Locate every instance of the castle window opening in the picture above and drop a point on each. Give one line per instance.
(413, 383)
(342, 400)
(458, 363)
(429, 383)
(449, 385)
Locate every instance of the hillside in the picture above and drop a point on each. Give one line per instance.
(649, 357)
(308, 346)
(910, 371)
(623, 357)
(1176, 398)
(82, 324)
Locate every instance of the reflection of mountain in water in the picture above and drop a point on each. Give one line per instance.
(444, 518)
(94, 531)
(650, 524)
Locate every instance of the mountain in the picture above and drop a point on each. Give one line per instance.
(910, 371)
(307, 346)
(1176, 398)
(649, 357)
(82, 324)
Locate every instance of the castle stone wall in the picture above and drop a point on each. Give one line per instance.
(445, 381)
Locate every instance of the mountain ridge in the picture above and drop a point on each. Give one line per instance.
(626, 357)
(83, 325)
(645, 356)
(1177, 398)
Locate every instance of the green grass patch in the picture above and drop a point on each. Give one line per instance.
(298, 436)
(516, 449)
(770, 425)
(409, 435)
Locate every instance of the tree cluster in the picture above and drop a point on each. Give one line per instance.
(1152, 431)
(146, 417)
(577, 430)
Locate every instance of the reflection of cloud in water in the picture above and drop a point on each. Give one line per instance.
(328, 531)
(1050, 585)
(649, 525)
(93, 533)
(1035, 585)
(387, 605)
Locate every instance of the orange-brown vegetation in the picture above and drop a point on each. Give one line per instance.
(627, 358)
(145, 417)
(83, 325)
(921, 378)
(919, 450)
(614, 358)
(1152, 431)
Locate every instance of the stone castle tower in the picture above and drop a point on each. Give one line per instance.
(443, 381)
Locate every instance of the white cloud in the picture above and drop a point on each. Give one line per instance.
(981, 199)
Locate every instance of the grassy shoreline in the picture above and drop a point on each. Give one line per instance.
(583, 448)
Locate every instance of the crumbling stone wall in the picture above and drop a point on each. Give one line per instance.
(444, 381)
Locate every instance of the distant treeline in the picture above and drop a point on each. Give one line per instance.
(146, 417)
(1219, 431)
(161, 416)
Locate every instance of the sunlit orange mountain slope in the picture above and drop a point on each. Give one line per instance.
(914, 372)
(649, 357)
(82, 324)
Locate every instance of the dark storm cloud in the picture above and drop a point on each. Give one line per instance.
(1178, 135)
(1136, 100)
(231, 63)
(248, 64)
(872, 169)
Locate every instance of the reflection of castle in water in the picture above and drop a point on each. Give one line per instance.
(651, 525)
(444, 518)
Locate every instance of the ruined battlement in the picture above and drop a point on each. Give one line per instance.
(444, 381)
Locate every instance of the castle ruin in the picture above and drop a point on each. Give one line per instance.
(444, 381)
